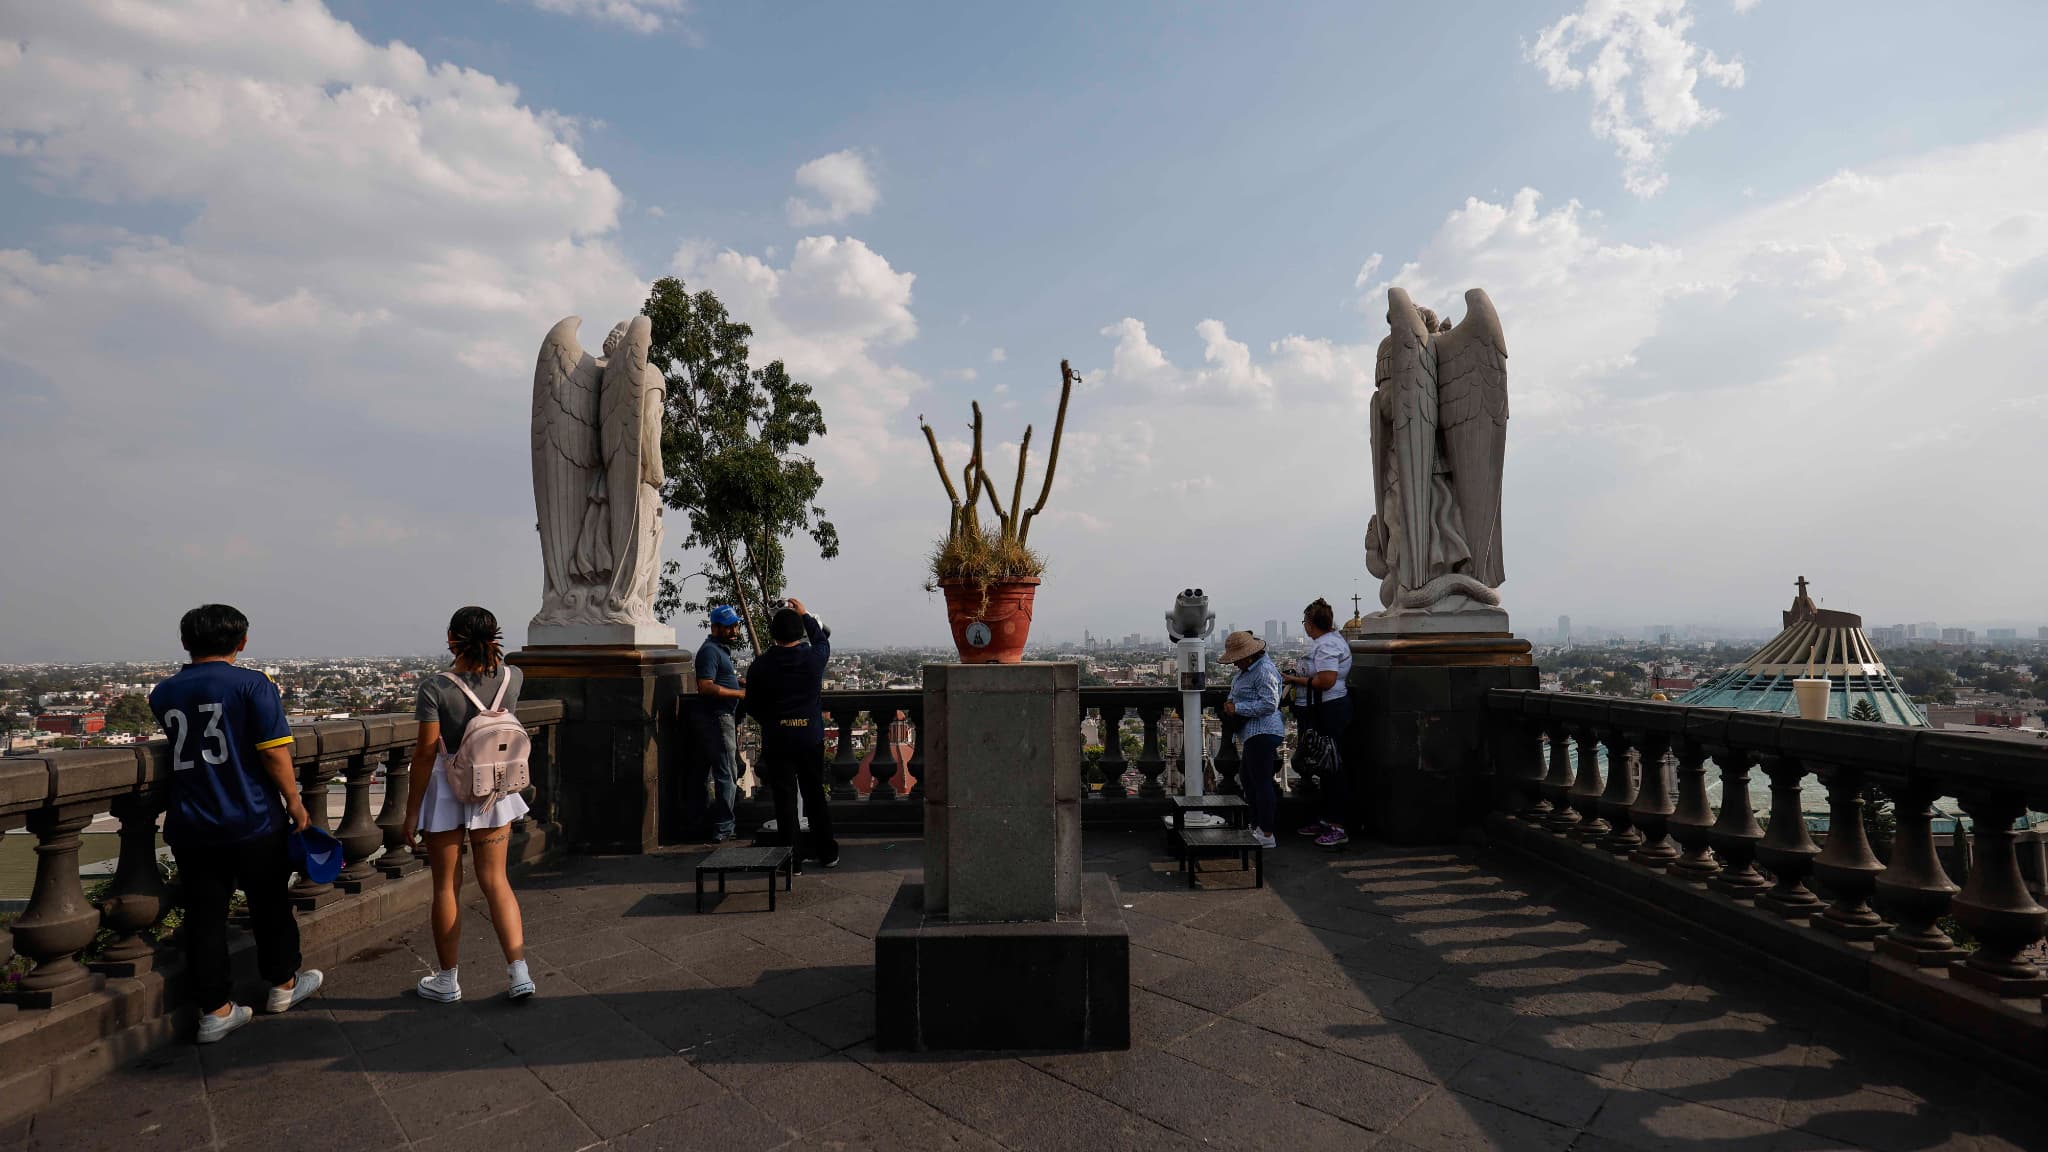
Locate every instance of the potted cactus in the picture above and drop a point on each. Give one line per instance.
(988, 572)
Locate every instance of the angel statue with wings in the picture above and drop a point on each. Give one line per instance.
(597, 486)
(1439, 440)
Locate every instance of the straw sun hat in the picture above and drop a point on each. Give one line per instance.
(1239, 645)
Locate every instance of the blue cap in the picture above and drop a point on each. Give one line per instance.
(724, 616)
(316, 854)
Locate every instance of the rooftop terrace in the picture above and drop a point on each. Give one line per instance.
(1385, 998)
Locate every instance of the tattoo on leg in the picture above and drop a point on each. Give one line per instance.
(493, 836)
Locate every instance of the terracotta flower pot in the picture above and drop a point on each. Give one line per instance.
(991, 629)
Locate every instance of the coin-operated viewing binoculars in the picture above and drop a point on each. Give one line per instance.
(1189, 625)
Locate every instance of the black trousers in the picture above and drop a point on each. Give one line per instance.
(1332, 718)
(792, 766)
(209, 874)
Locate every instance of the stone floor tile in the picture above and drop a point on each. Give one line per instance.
(1754, 1090)
(1710, 1030)
(685, 1021)
(619, 1081)
(1465, 1017)
(271, 1046)
(424, 1053)
(756, 1053)
(908, 1125)
(1651, 1122)
(1213, 986)
(619, 969)
(812, 1095)
(570, 951)
(460, 1099)
(1447, 1122)
(728, 1124)
(839, 1023)
(1560, 1095)
(1884, 1123)
(1362, 1094)
(781, 993)
(241, 1111)
(1588, 1048)
(1024, 1108)
(308, 1121)
(545, 1125)
(164, 1126)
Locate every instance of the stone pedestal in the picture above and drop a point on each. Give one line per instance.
(1005, 945)
(1417, 746)
(619, 719)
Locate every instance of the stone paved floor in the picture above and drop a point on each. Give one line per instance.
(1380, 999)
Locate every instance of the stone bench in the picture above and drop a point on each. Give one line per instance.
(736, 859)
(1196, 843)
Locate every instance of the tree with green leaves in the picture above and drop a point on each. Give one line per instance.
(131, 713)
(730, 448)
(1865, 711)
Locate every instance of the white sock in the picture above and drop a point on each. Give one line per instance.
(516, 970)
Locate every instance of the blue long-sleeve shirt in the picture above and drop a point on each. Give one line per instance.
(1255, 697)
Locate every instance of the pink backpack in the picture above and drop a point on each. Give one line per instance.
(492, 759)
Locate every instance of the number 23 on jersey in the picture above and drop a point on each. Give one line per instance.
(212, 742)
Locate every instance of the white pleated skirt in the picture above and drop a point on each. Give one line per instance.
(442, 811)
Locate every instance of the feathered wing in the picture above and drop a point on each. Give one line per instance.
(565, 452)
(621, 418)
(1411, 393)
(1472, 375)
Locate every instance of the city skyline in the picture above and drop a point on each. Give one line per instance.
(273, 296)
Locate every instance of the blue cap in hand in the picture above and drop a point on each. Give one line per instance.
(316, 854)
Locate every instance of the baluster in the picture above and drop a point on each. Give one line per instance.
(1994, 904)
(1619, 796)
(916, 712)
(359, 834)
(313, 781)
(1846, 868)
(1528, 768)
(845, 765)
(135, 900)
(883, 752)
(1692, 821)
(1150, 762)
(1113, 763)
(58, 922)
(1653, 808)
(1913, 889)
(398, 859)
(1557, 786)
(1586, 789)
(1736, 833)
(1787, 849)
(1228, 762)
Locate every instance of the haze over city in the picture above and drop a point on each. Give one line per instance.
(1775, 292)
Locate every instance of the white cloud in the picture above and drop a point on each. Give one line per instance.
(835, 314)
(1138, 364)
(997, 355)
(1785, 388)
(1633, 57)
(833, 188)
(643, 16)
(360, 252)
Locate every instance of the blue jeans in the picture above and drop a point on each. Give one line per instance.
(713, 789)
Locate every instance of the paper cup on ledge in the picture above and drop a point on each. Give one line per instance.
(1812, 695)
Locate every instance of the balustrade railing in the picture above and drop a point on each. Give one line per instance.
(863, 768)
(1895, 892)
(57, 794)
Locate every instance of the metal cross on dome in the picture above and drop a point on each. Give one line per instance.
(1801, 582)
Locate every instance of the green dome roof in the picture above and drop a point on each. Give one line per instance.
(1815, 642)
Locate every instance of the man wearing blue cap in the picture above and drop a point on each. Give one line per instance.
(233, 799)
(709, 795)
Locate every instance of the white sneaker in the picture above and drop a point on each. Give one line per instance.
(281, 999)
(521, 982)
(1265, 839)
(441, 986)
(213, 1029)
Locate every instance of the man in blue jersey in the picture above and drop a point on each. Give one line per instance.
(233, 800)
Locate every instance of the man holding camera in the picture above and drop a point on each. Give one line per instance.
(783, 696)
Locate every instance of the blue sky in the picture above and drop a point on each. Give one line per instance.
(272, 276)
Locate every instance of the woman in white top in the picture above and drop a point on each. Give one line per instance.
(1322, 702)
(433, 810)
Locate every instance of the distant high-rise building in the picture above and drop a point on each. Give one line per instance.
(1960, 637)
(2001, 635)
(1564, 630)
(1927, 632)
(1272, 633)
(2042, 636)
(1890, 636)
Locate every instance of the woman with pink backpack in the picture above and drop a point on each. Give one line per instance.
(468, 765)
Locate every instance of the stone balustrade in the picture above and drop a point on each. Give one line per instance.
(1142, 780)
(1879, 913)
(57, 794)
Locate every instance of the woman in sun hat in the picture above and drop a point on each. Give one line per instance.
(446, 705)
(1255, 704)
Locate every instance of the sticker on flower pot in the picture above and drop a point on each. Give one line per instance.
(978, 634)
